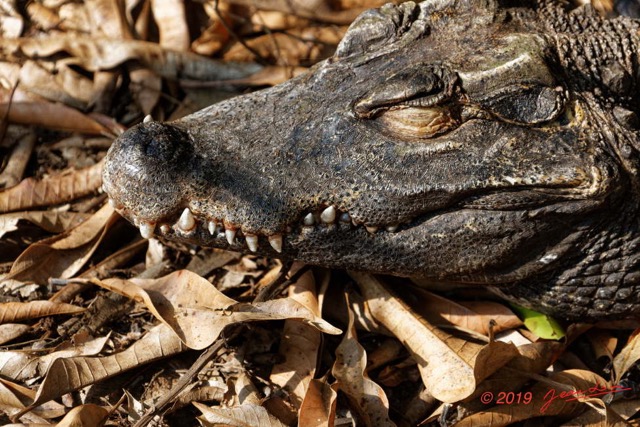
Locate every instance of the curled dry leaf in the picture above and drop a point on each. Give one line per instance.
(317, 10)
(450, 367)
(72, 373)
(349, 369)
(172, 24)
(319, 405)
(17, 162)
(299, 345)
(472, 315)
(11, 331)
(95, 54)
(85, 415)
(22, 366)
(54, 190)
(51, 116)
(198, 312)
(52, 221)
(627, 357)
(246, 415)
(11, 312)
(63, 255)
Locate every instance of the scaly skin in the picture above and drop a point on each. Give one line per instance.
(458, 141)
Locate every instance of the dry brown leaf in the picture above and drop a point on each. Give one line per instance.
(46, 18)
(96, 54)
(11, 22)
(146, 89)
(63, 255)
(246, 415)
(198, 312)
(31, 193)
(85, 415)
(11, 312)
(17, 162)
(53, 221)
(171, 19)
(61, 84)
(11, 331)
(318, 408)
(318, 10)
(107, 19)
(367, 398)
(215, 36)
(72, 373)
(603, 343)
(14, 398)
(22, 366)
(627, 357)
(49, 115)
(17, 365)
(294, 48)
(450, 367)
(471, 315)
(299, 345)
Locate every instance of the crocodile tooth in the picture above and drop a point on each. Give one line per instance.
(372, 230)
(147, 229)
(211, 226)
(230, 235)
(392, 228)
(328, 215)
(164, 228)
(345, 217)
(147, 118)
(308, 220)
(252, 242)
(186, 221)
(276, 242)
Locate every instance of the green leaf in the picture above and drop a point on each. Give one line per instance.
(540, 324)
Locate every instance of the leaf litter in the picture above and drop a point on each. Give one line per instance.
(95, 331)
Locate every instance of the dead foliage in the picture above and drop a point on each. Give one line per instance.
(99, 327)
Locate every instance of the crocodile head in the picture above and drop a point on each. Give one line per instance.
(450, 140)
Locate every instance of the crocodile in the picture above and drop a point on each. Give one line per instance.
(473, 142)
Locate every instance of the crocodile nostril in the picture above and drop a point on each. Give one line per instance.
(165, 143)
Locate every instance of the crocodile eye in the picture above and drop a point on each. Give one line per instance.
(418, 122)
(526, 105)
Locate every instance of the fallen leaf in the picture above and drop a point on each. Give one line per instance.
(65, 254)
(247, 415)
(11, 312)
(72, 373)
(366, 397)
(95, 54)
(11, 331)
(540, 324)
(450, 367)
(299, 345)
(627, 357)
(319, 405)
(198, 312)
(31, 193)
(52, 221)
(85, 415)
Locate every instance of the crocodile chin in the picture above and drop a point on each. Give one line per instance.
(456, 140)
